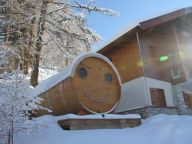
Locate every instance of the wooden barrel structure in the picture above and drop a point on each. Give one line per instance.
(91, 84)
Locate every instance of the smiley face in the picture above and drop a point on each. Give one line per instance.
(96, 85)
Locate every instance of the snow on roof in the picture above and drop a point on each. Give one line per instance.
(137, 23)
(69, 71)
(99, 116)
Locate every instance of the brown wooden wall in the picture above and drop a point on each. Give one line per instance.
(172, 39)
(126, 58)
(93, 91)
(60, 99)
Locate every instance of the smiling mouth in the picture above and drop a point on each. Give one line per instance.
(98, 100)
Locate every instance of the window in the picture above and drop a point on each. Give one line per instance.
(175, 69)
(82, 72)
(110, 59)
(187, 99)
(108, 77)
(157, 97)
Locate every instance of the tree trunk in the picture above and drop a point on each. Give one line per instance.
(26, 61)
(38, 46)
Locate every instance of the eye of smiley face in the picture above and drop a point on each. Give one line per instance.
(108, 78)
(82, 72)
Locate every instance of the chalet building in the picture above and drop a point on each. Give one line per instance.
(154, 60)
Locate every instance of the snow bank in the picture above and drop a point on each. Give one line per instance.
(161, 129)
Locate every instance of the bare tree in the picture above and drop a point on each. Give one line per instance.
(36, 25)
(64, 24)
(30, 30)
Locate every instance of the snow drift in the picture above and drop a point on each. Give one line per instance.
(160, 129)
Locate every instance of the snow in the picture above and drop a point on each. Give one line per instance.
(99, 116)
(69, 72)
(15, 103)
(52, 81)
(45, 73)
(160, 129)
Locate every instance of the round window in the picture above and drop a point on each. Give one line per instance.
(82, 72)
(108, 77)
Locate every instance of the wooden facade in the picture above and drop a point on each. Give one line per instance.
(158, 48)
(126, 58)
(92, 87)
(85, 124)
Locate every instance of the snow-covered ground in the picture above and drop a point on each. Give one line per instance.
(160, 129)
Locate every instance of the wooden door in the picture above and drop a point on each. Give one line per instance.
(157, 97)
(188, 99)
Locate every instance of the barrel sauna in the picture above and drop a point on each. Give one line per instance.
(91, 84)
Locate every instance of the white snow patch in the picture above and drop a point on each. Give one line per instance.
(45, 73)
(160, 129)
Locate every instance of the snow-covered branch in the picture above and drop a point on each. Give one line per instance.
(16, 102)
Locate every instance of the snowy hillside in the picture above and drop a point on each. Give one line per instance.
(161, 129)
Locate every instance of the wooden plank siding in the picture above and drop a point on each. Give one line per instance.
(85, 124)
(126, 58)
(94, 92)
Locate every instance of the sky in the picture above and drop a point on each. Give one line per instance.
(131, 11)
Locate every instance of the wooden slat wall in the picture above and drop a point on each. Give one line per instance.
(126, 58)
(60, 99)
(93, 91)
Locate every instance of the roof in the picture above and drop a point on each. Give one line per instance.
(69, 71)
(148, 23)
